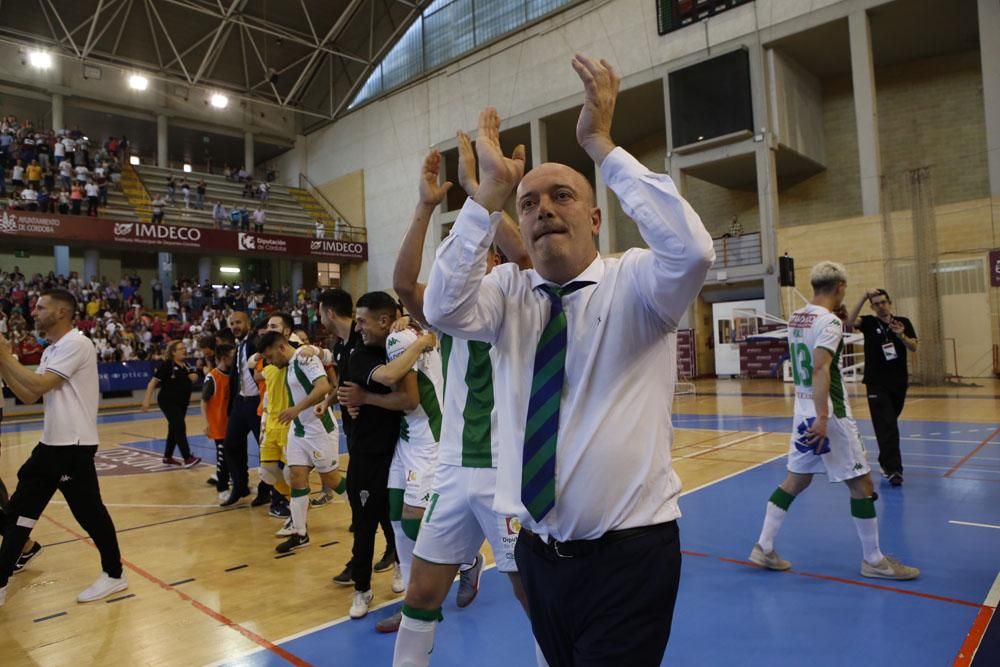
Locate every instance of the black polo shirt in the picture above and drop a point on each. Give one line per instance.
(376, 430)
(175, 385)
(341, 358)
(879, 370)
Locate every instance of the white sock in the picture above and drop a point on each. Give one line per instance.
(868, 532)
(773, 519)
(539, 657)
(414, 643)
(404, 551)
(300, 508)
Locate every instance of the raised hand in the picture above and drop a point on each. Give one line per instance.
(600, 84)
(467, 176)
(432, 193)
(500, 174)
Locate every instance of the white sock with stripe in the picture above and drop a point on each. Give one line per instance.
(299, 506)
(414, 642)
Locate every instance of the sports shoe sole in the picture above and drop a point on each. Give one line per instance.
(24, 564)
(117, 589)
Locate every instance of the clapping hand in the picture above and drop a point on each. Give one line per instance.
(500, 174)
(600, 84)
(431, 192)
(897, 327)
(467, 177)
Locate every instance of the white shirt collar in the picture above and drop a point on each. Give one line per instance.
(593, 273)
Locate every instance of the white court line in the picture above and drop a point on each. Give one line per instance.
(977, 525)
(993, 597)
(722, 446)
(63, 502)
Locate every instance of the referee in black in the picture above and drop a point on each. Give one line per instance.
(175, 379)
(888, 338)
(66, 379)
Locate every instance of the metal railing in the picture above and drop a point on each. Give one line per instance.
(742, 250)
(348, 232)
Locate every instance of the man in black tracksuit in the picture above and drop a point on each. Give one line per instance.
(373, 437)
(888, 337)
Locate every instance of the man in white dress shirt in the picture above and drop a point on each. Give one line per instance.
(585, 356)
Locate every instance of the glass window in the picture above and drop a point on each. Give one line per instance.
(327, 275)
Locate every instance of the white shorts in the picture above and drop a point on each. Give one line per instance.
(412, 470)
(845, 460)
(319, 452)
(460, 515)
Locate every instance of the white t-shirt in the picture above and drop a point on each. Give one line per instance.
(422, 425)
(71, 408)
(81, 173)
(65, 168)
(92, 190)
(17, 173)
(69, 144)
(810, 328)
(59, 150)
(172, 307)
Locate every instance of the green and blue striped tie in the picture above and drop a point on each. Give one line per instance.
(538, 464)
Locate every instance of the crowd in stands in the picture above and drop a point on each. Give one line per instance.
(56, 171)
(238, 215)
(125, 328)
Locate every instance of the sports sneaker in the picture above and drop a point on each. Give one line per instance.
(398, 585)
(468, 582)
(771, 561)
(212, 481)
(345, 578)
(103, 587)
(260, 499)
(889, 568)
(192, 461)
(223, 496)
(279, 511)
(322, 499)
(233, 498)
(294, 541)
(387, 562)
(171, 461)
(390, 624)
(359, 606)
(24, 558)
(286, 529)
(896, 479)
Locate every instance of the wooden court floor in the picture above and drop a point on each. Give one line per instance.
(204, 582)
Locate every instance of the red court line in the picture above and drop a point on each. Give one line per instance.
(211, 613)
(974, 638)
(863, 584)
(972, 453)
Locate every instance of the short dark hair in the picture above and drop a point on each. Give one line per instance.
(270, 339)
(226, 335)
(207, 342)
(286, 319)
(223, 349)
(64, 297)
(337, 300)
(881, 292)
(380, 303)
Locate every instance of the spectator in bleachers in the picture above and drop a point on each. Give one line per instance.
(17, 175)
(248, 190)
(265, 192)
(34, 174)
(244, 219)
(66, 173)
(76, 198)
(243, 174)
(44, 152)
(320, 230)
(158, 205)
(44, 201)
(171, 189)
(30, 198)
(82, 173)
(186, 192)
(200, 195)
(259, 216)
(218, 214)
(93, 195)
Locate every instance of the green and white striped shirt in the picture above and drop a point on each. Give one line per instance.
(809, 328)
(303, 372)
(469, 432)
(422, 425)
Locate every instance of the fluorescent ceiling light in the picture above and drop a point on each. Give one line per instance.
(219, 101)
(187, 169)
(40, 59)
(133, 160)
(229, 269)
(138, 82)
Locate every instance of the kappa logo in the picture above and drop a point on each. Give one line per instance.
(123, 228)
(513, 525)
(65, 478)
(247, 242)
(315, 245)
(8, 224)
(363, 497)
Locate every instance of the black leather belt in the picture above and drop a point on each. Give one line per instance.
(581, 548)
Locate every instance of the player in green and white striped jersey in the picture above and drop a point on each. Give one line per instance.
(825, 438)
(460, 513)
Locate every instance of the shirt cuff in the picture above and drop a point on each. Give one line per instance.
(475, 224)
(619, 165)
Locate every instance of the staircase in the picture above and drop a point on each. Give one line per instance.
(136, 194)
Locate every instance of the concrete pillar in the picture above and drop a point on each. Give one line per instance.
(61, 253)
(165, 269)
(161, 141)
(989, 52)
(297, 269)
(767, 201)
(91, 262)
(57, 112)
(539, 143)
(248, 151)
(866, 113)
(204, 269)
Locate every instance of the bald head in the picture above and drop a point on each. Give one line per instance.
(239, 323)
